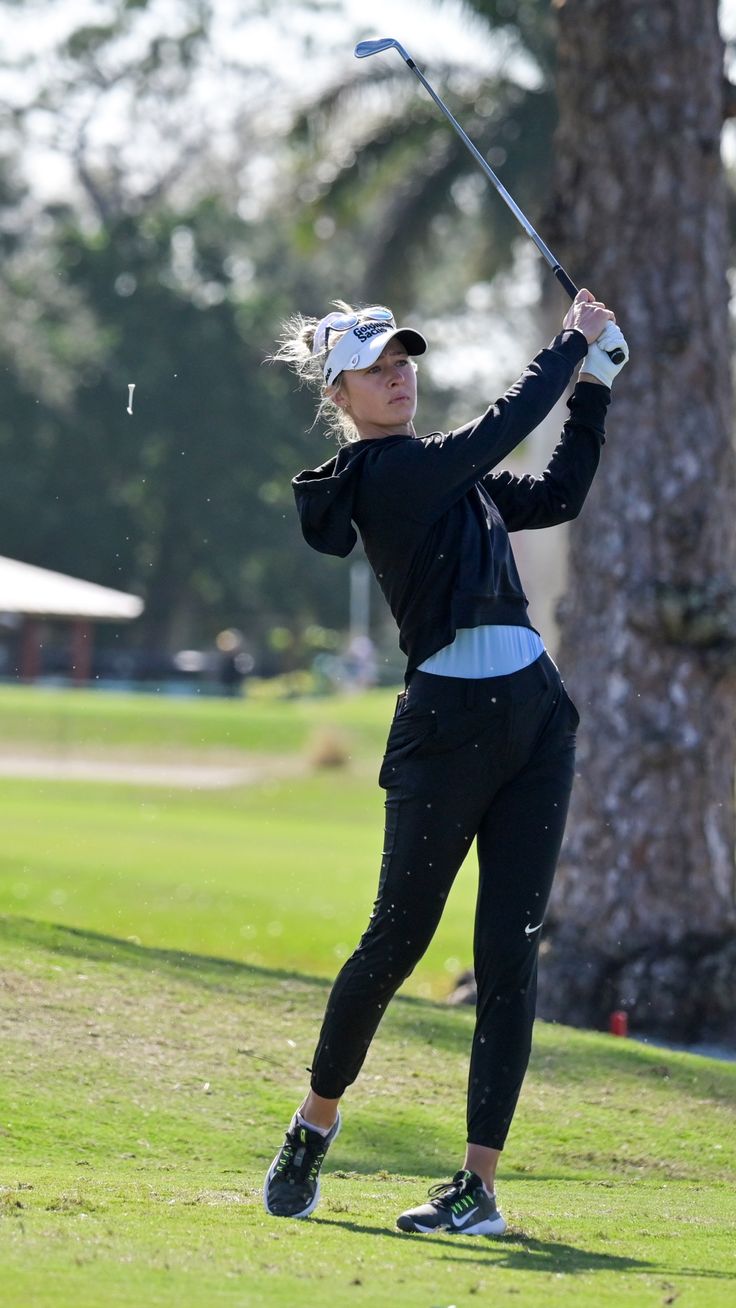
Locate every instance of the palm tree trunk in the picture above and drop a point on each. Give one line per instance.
(643, 913)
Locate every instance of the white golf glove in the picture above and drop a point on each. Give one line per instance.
(598, 362)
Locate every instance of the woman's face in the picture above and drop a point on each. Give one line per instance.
(382, 399)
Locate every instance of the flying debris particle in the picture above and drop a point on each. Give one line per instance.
(131, 388)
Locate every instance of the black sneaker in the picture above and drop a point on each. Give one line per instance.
(460, 1207)
(291, 1188)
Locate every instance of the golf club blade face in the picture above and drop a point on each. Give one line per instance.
(365, 48)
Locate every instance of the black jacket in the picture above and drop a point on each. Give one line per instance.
(434, 519)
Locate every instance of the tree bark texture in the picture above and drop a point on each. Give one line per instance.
(643, 913)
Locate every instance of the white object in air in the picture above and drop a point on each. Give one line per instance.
(131, 388)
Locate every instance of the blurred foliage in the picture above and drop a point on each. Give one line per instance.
(142, 278)
(188, 501)
(375, 155)
(171, 264)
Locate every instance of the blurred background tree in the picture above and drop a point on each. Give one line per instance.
(146, 272)
(181, 240)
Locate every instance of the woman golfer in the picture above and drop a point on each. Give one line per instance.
(482, 742)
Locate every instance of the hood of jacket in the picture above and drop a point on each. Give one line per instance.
(325, 496)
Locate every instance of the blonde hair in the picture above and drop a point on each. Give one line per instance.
(295, 350)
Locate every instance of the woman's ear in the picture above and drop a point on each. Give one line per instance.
(338, 397)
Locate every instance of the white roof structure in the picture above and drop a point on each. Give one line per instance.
(27, 589)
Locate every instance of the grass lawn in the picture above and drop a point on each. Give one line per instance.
(144, 1093)
(161, 990)
(67, 720)
(218, 872)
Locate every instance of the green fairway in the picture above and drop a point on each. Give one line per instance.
(155, 1041)
(225, 872)
(65, 720)
(144, 1094)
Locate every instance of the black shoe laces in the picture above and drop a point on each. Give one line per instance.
(298, 1162)
(448, 1193)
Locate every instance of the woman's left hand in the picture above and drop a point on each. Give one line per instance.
(587, 315)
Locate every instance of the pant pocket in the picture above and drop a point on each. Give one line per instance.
(408, 732)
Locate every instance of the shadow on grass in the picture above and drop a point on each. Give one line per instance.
(434, 1024)
(512, 1251)
(522, 1253)
(205, 969)
(408, 1137)
(599, 1061)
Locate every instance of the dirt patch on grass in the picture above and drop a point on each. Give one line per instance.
(198, 773)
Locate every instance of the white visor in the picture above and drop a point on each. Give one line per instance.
(361, 346)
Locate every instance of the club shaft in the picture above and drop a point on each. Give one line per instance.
(563, 277)
(365, 48)
(513, 206)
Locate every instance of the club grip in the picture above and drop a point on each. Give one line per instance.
(616, 356)
(566, 282)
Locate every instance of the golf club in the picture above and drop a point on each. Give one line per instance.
(366, 48)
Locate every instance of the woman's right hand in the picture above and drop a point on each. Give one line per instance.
(587, 315)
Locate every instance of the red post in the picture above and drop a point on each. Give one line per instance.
(618, 1022)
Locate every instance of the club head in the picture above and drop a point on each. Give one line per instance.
(365, 48)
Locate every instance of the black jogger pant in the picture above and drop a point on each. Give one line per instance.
(491, 758)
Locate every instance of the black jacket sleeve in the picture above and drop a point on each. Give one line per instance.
(559, 494)
(433, 471)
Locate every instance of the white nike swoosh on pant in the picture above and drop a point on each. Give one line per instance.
(529, 931)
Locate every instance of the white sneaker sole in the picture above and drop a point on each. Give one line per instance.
(490, 1226)
(315, 1198)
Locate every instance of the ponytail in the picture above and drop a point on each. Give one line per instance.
(295, 345)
